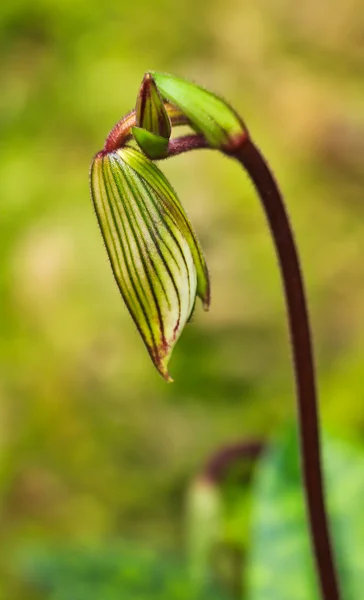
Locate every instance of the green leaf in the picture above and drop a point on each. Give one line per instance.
(208, 114)
(280, 565)
(111, 572)
(153, 252)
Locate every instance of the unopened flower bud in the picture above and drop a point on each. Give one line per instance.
(154, 254)
(153, 126)
(207, 114)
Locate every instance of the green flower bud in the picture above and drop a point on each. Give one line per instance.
(150, 112)
(208, 114)
(153, 126)
(154, 254)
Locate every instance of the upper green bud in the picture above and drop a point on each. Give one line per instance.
(150, 112)
(153, 127)
(208, 114)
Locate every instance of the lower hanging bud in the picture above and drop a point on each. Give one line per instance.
(154, 254)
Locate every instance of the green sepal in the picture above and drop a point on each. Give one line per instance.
(208, 114)
(154, 146)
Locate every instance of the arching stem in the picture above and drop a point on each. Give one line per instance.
(219, 463)
(307, 404)
(121, 132)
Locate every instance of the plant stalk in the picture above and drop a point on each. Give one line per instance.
(253, 162)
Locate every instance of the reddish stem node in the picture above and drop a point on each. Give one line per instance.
(121, 132)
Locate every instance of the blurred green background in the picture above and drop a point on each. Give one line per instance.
(94, 446)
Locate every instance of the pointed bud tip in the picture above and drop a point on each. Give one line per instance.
(206, 305)
(151, 114)
(161, 366)
(146, 84)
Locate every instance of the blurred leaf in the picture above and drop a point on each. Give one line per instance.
(280, 563)
(109, 573)
(203, 527)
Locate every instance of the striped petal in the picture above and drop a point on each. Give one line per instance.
(151, 257)
(170, 202)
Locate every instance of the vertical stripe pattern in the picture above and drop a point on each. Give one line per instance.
(150, 111)
(151, 247)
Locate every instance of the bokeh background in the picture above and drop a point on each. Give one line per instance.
(95, 448)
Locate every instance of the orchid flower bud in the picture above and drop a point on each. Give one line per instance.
(153, 127)
(207, 113)
(154, 254)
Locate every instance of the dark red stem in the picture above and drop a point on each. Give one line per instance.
(122, 131)
(186, 143)
(307, 403)
(252, 160)
(218, 464)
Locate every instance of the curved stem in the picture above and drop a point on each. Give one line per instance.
(251, 159)
(122, 130)
(307, 404)
(185, 143)
(218, 464)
